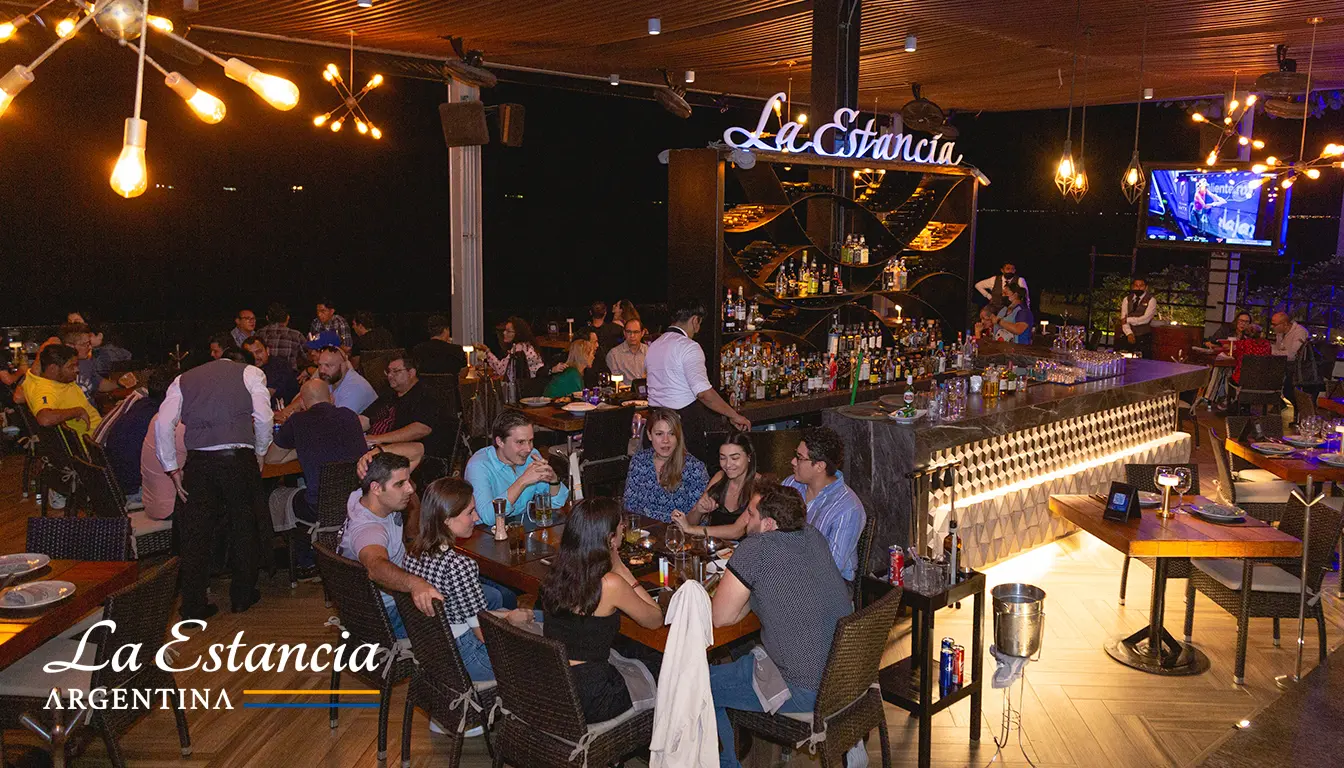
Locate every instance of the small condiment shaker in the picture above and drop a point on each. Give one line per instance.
(501, 526)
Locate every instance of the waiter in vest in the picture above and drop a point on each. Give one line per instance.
(226, 409)
(992, 287)
(675, 366)
(1137, 310)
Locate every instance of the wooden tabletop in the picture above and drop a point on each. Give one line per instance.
(1212, 357)
(525, 571)
(1331, 404)
(558, 341)
(281, 470)
(22, 631)
(555, 417)
(1183, 535)
(1294, 467)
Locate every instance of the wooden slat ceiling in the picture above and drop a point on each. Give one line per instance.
(972, 54)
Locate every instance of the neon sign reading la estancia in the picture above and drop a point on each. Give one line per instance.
(858, 143)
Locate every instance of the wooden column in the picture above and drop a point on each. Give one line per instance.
(695, 241)
(835, 84)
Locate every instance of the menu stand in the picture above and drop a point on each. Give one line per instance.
(909, 683)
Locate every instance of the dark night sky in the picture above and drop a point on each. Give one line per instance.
(371, 226)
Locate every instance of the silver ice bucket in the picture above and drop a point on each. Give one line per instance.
(1019, 618)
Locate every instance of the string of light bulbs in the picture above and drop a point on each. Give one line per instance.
(126, 21)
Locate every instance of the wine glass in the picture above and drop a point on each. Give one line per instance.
(674, 538)
(1185, 480)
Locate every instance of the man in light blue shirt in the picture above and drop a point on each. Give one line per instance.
(832, 507)
(348, 388)
(511, 470)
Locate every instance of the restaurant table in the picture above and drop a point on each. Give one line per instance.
(1298, 466)
(908, 683)
(557, 341)
(555, 417)
(22, 631)
(1332, 404)
(1153, 649)
(281, 470)
(525, 570)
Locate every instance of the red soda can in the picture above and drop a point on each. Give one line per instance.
(959, 665)
(896, 565)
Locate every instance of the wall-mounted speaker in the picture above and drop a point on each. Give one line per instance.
(464, 124)
(511, 124)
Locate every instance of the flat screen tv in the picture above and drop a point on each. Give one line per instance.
(1213, 209)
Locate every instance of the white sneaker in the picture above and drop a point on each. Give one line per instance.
(434, 727)
(474, 732)
(857, 756)
(55, 500)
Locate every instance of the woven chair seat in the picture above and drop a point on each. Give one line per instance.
(1265, 577)
(1273, 492)
(1255, 476)
(608, 741)
(26, 677)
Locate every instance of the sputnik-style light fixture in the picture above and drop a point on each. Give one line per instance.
(1285, 174)
(1133, 182)
(1229, 128)
(349, 106)
(1064, 168)
(10, 28)
(125, 22)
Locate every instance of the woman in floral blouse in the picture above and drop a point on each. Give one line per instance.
(664, 478)
(515, 337)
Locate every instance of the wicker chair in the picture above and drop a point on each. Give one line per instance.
(1275, 585)
(849, 704)
(336, 481)
(440, 683)
(142, 612)
(1141, 477)
(101, 539)
(50, 462)
(1260, 428)
(864, 551)
(1262, 378)
(606, 434)
(373, 366)
(360, 608)
(605, 477)
(542, 720)
(1263, 500)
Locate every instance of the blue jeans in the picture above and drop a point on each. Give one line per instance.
(730, 685)
(398, 628)
(475, 658)
(498, 596)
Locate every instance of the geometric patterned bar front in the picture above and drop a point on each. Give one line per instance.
(1005, 482)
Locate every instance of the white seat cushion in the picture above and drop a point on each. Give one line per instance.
(1334, 502)
(142, 524)
(1265, 578)
(1276, 492)
(1255, 476)
(26, 677)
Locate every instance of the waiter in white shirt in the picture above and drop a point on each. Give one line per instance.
(678, 380)
(1137, 310)
(226, 409)
(992, 287)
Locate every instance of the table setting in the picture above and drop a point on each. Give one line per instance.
(29, 594)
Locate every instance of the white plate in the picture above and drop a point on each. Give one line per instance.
(580, 407)
(21, 564)
(1219, 511)
(1149, 499)
(636, 403)
(716, 566)
(1301, 441)
(36, 594)
(896, 417)
(1271, 448)
(1333, 459)
(535, 401)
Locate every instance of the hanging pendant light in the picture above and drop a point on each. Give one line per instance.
(1133, 182)
(130, 177)
(1064, 169)
(1079, 186)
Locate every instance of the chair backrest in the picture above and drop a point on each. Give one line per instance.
(106, 498)
(1325, 527)
(359, 602)
(74, 446)
(373, 366)
(444, 388)
(481, 400)
(143, 612)
(81, 538)
(605, 477)
(335, 482)
(1263, 373)
(95, 451)
(1257, 427)
(865, 545)
(1141, 475)
(1226, 488)
(435, 649)
(606, 433)
(533, 677)
(774, 450)
(856, 652)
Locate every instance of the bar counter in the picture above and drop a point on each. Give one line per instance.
(1014, 452)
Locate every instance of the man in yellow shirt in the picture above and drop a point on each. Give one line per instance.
(53, 397)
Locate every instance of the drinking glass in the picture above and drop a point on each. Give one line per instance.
(632, 534)
(1184, 482)
(674, 538)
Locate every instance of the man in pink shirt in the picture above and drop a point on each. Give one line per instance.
(156, 488)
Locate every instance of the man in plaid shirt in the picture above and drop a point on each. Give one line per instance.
(328, 320)
(284, 342)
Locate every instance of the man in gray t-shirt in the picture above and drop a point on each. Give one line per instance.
(784, 573)
(373, 533)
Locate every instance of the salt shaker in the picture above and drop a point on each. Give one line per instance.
(501, 526)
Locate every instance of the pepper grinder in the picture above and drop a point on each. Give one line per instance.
(501, 526)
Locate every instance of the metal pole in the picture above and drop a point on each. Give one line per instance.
(1289, 681)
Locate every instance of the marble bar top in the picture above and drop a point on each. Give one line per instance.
(1040, 404)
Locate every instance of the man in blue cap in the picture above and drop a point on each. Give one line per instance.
(348, 388)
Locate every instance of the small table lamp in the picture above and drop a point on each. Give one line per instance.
(471, 370)
(616, 380)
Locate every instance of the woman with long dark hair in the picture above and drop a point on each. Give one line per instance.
(664, 478)
(447, 513)
(731, 487)
(583, 597)
(515, 337)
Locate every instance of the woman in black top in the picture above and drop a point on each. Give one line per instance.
(582, 598)
(718, 513)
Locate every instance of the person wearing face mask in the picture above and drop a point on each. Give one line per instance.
(678, 380)
(992, 287)
(1137, 310)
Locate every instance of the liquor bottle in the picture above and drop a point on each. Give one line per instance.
(832, 373)
(833, 338)
(825, 282)
(863, 251)
(740, 310)
(835, 281)
(814, 278)
(754, 319)
(729, 314)
(845, 253)
(909, 395)
(875, 370)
